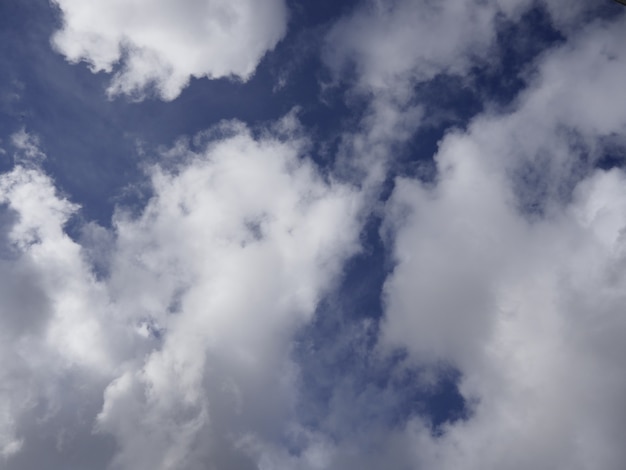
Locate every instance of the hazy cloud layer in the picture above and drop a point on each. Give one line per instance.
(164, 43)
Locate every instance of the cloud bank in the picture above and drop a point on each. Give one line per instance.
(162, 44)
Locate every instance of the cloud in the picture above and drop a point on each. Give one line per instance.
(164, 43)
(27, 149)
(383, 50)
(389, 47)
(390, 52)
(50, 312)
(510, 268)
(186, 333)
(402, 41)
(174, 338)
(226, 261)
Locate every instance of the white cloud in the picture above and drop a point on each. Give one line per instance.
(402, 41)
(510, 268)
(394, 45)
(188, 336)
(164, 43)
(227, 260)
(50, 311)
(384, 50)
(171, 332)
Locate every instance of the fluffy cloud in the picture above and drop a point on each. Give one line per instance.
(510, 267)
(52, 309)
(164, 43)
(185, 330)
(391, 46)
(402, 41)
(226, 261)
(167, 340)
(383, 50)
(386, 50)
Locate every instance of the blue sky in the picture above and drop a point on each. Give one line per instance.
(243, 234)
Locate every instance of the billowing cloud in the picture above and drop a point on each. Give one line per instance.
(162, 44)
(226, 261)
(185, 328)
(402, 41)
(385, 49)
(510, 268)
(219, 324)
(389, 52)
(52, 310)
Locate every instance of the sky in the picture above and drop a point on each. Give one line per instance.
(312, 235)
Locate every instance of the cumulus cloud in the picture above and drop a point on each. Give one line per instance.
(51, 316)
(510, 267)
(386, 50)
(402, 41)
(167, 340)
(27, 151)
(388, 47)
(164, 43)
(230, 256)
(183, 341)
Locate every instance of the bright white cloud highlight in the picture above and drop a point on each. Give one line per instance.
(164, 43)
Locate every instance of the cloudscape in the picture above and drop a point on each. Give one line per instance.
(312, 235)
